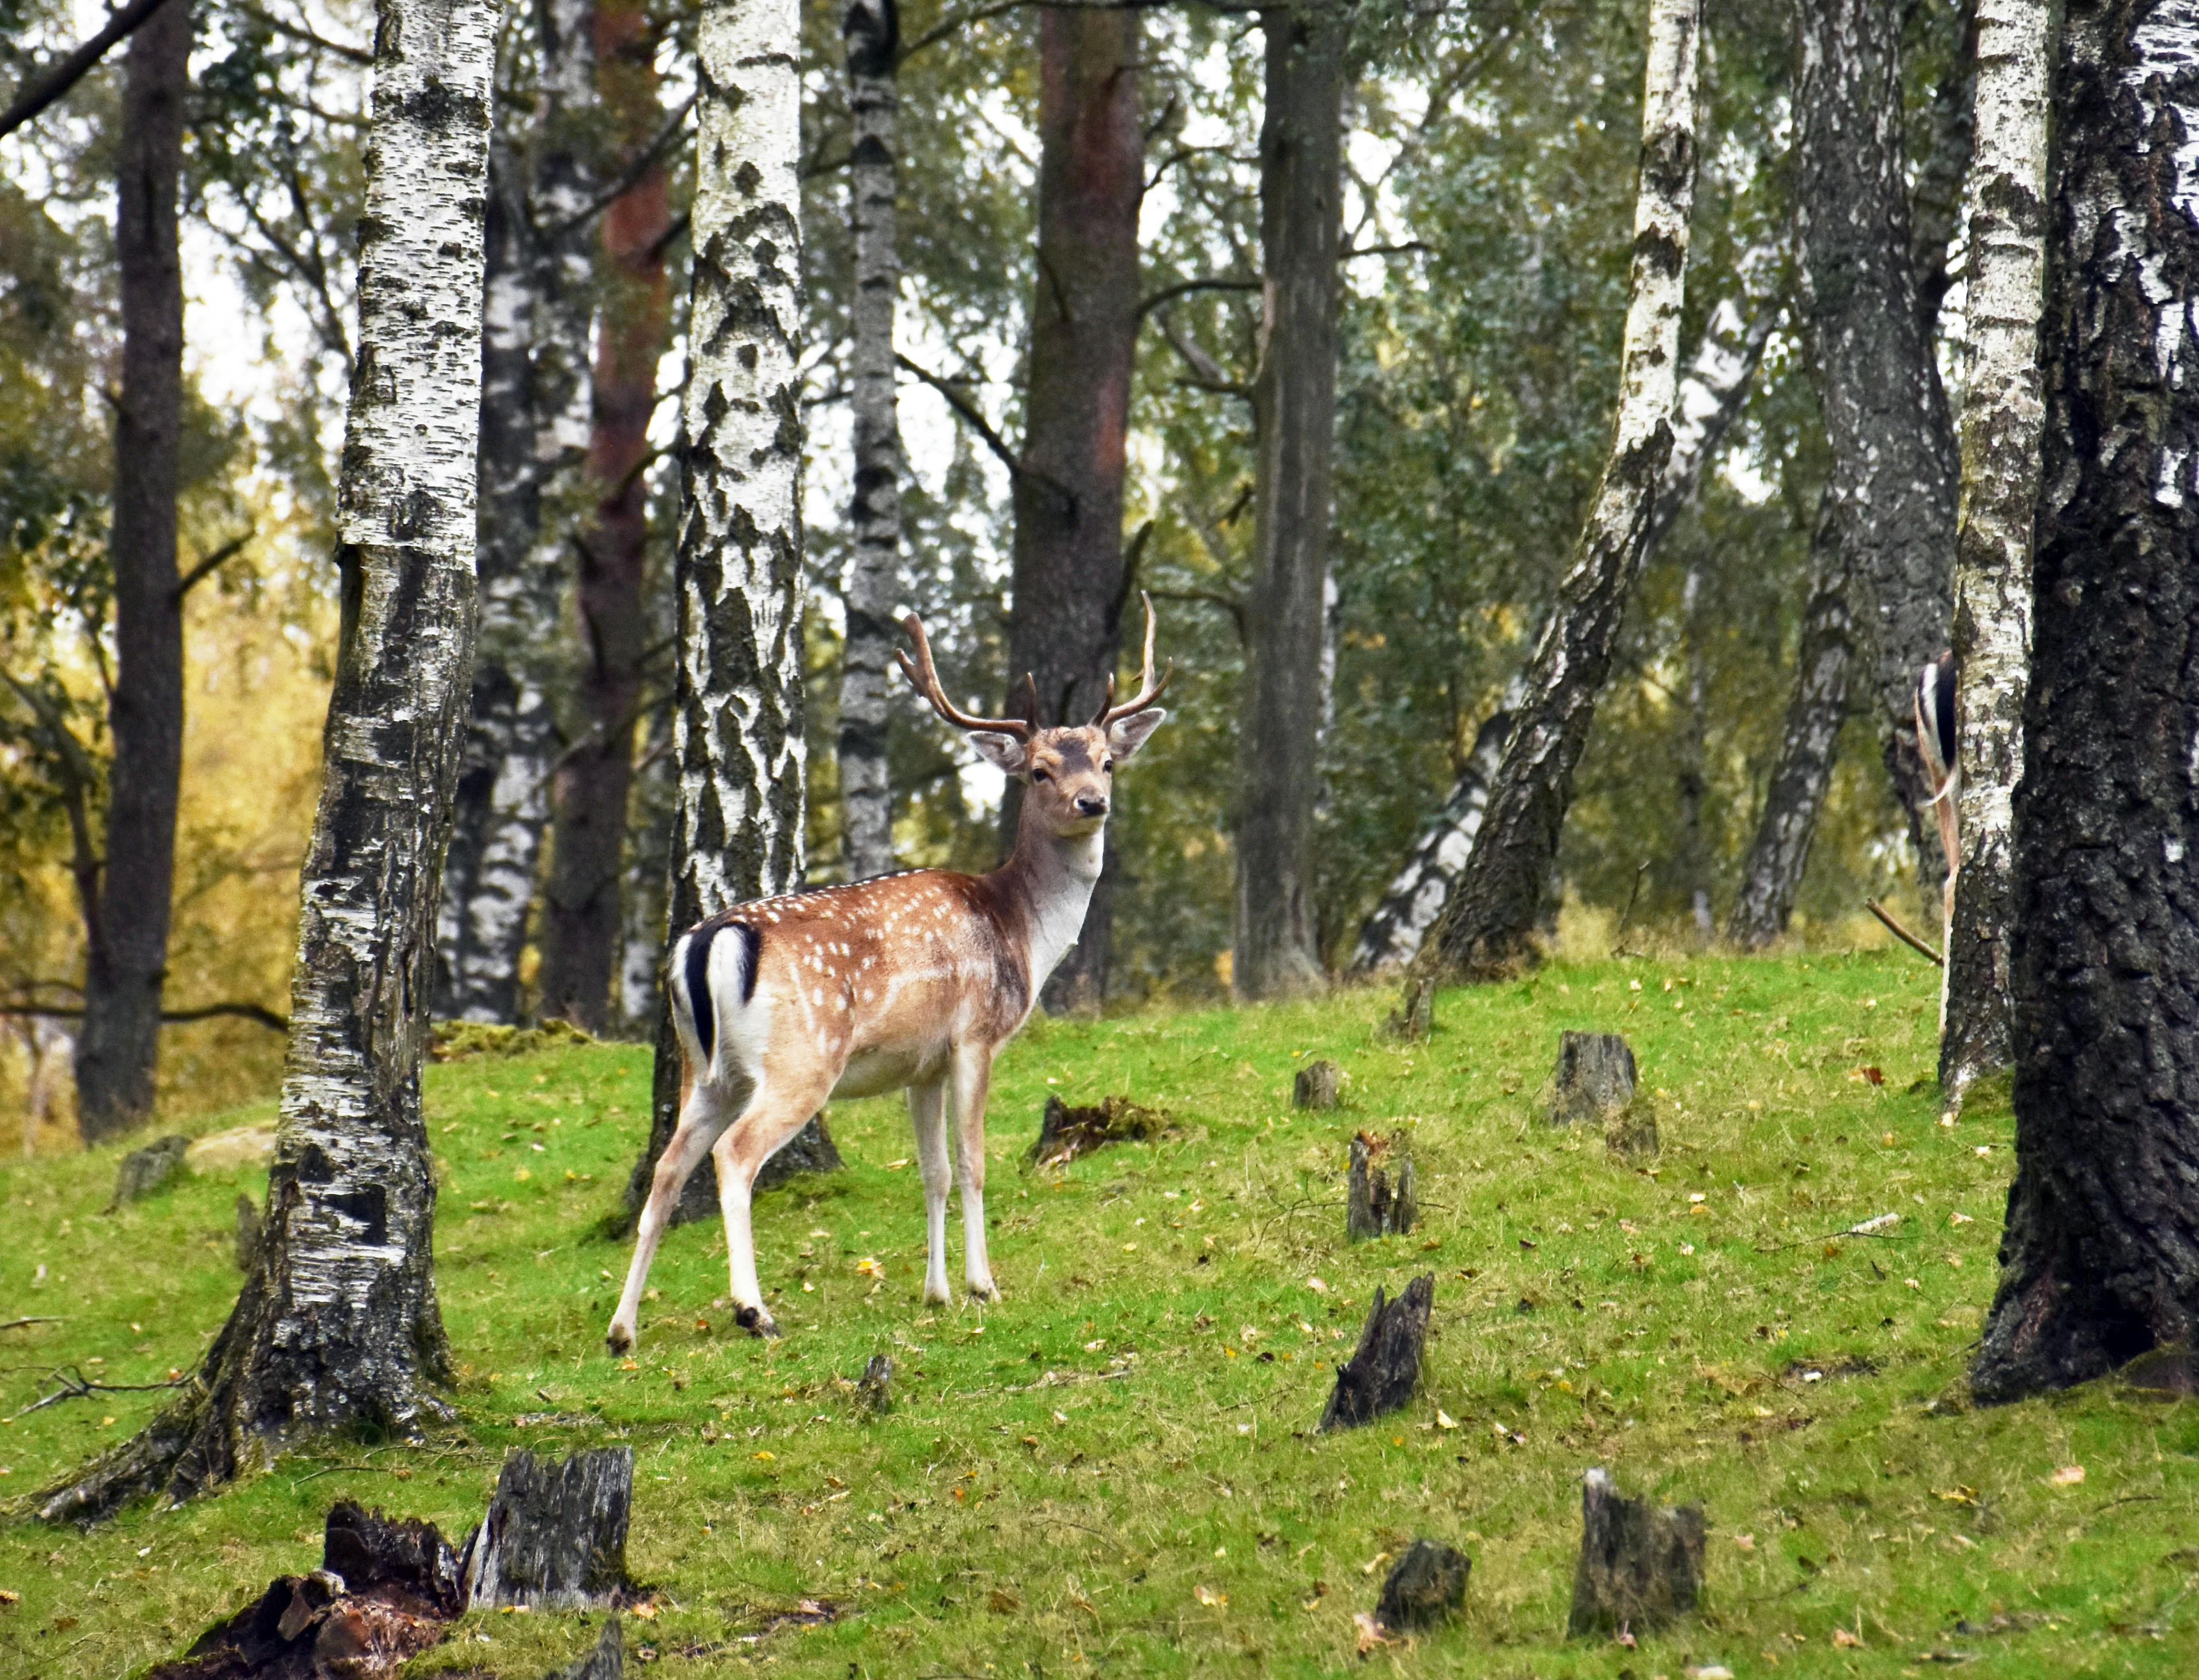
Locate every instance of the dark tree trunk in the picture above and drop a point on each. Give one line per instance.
(2103, 1216)
(872, 29)
(1894, 446)
(1693, 779)
(538, 305)
(1487, 924)
(1816, 709)
(127, 943)
(1935, 205)
(337, 1326)
(581, 925)
(1069, 564)
(1277, 946)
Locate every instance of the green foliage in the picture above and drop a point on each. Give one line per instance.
(1064, 1473)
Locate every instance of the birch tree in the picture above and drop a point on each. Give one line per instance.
(538, 308)
(1485, 926)
(337, 1325)
(2002, 413)
(2103, 1217)
(872, 31)
(737, 741)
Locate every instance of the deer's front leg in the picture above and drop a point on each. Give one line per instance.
(927, 1111)
(973, 1076)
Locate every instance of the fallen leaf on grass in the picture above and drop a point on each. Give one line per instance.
(1004, 1603)
(8, 1598)
(869, 1267)
(1370, 1633)
(1957, 1496)
(646, 1610)
(1444, 1419)
(1845, 1641)
(2068, 1476)
(1211, 1599)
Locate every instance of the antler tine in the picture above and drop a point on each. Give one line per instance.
(924, 677)
(1148, 690)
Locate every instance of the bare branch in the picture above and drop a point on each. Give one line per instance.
(1168, 295)
(65, 75)
(205, 568)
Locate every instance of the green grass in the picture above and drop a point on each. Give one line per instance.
(1068, 1469)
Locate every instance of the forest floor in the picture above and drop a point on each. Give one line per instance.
(1113, 1470)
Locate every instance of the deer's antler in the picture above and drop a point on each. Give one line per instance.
(1148, 690)
(924, 677)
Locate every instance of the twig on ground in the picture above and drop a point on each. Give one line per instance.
(75, 1386)
(18, 1323)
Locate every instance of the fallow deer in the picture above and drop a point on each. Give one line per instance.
(1936, 744)
(913, 980)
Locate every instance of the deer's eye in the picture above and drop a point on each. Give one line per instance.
(1041, 776)
(1106, 766)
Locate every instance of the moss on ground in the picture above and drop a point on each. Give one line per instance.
(1110, 1472)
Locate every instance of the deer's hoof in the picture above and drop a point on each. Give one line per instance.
(756, 1321)
(619, 1338)
(987, 1291)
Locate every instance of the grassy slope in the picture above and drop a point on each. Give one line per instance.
(1068, 1469)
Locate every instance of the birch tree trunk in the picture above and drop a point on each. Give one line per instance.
(1885, 416)
(1486, 925)
(2002, 414)
(538, 309)
(1069, 583)
(1277, 948)
(126, 935)
(1817, 708)
(2103, 1216)
(736, 736)
(872, 29)
(337, 1325)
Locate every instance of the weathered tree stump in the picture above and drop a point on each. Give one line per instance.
(248, 1232)
(874, 1389)
(555, 1534)
(1640, 1565)
(1383, 1374)
(1414, 1017)
(1378, 1202)
(607, 1661)
(811, 1150)
(1065, 1133)
(403, 1562)
(1318, 1085)
(1594, 1078)
(1424, 1586)
(143, 1171)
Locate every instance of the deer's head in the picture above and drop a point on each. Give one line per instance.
(1067, 773)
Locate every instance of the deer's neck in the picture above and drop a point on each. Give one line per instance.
(1049, 878)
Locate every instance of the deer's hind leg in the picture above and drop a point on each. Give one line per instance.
(778, 1110)
(705, 1112)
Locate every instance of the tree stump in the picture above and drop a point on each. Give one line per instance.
(144, 1171)
(811, 1150)
(1424, 1586)
(248, 1232)
(1376, 1203)
(1385, 1371)
(874, 1389)
(1640, 1565)
(1594, 1078)
(1065, 1133)
(607, 1661)
(555, 1534)
(1318, 1085)
(1414, 1017)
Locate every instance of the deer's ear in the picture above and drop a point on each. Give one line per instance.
(1004, 751)
(1125, 737)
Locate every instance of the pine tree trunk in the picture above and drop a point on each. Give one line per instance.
(2001, 419)
(2104, 1215)
(1277, 950)
(126, 949)
(1893, 450)
(1068, 579)
(737, 749)
(872, 29)
(582, 910)
(1487, 924)
(1816, 708)
(336, 1326)
(539, 307)
(1710, 399)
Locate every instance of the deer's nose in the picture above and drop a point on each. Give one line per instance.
(1091, 805)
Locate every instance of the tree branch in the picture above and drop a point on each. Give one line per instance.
(205, 568)
(641, 163)
(299, 32)
(259, 1014)
(1168, 294)
(70, 71)
(971, 416)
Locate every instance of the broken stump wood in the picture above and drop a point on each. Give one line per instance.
(1065, 1133)
(1383, 1374)
(143, 1171)
(1379, 1201)
(555, 1534)
(384, 1593)
(1641, 1564)
(1424, 1586)
(605, 1661)
(811, 1150)
(874, 1389)
(1318, 1085)
(1594, 1078)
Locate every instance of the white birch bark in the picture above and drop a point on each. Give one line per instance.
(2002, 412)
(872, 31)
